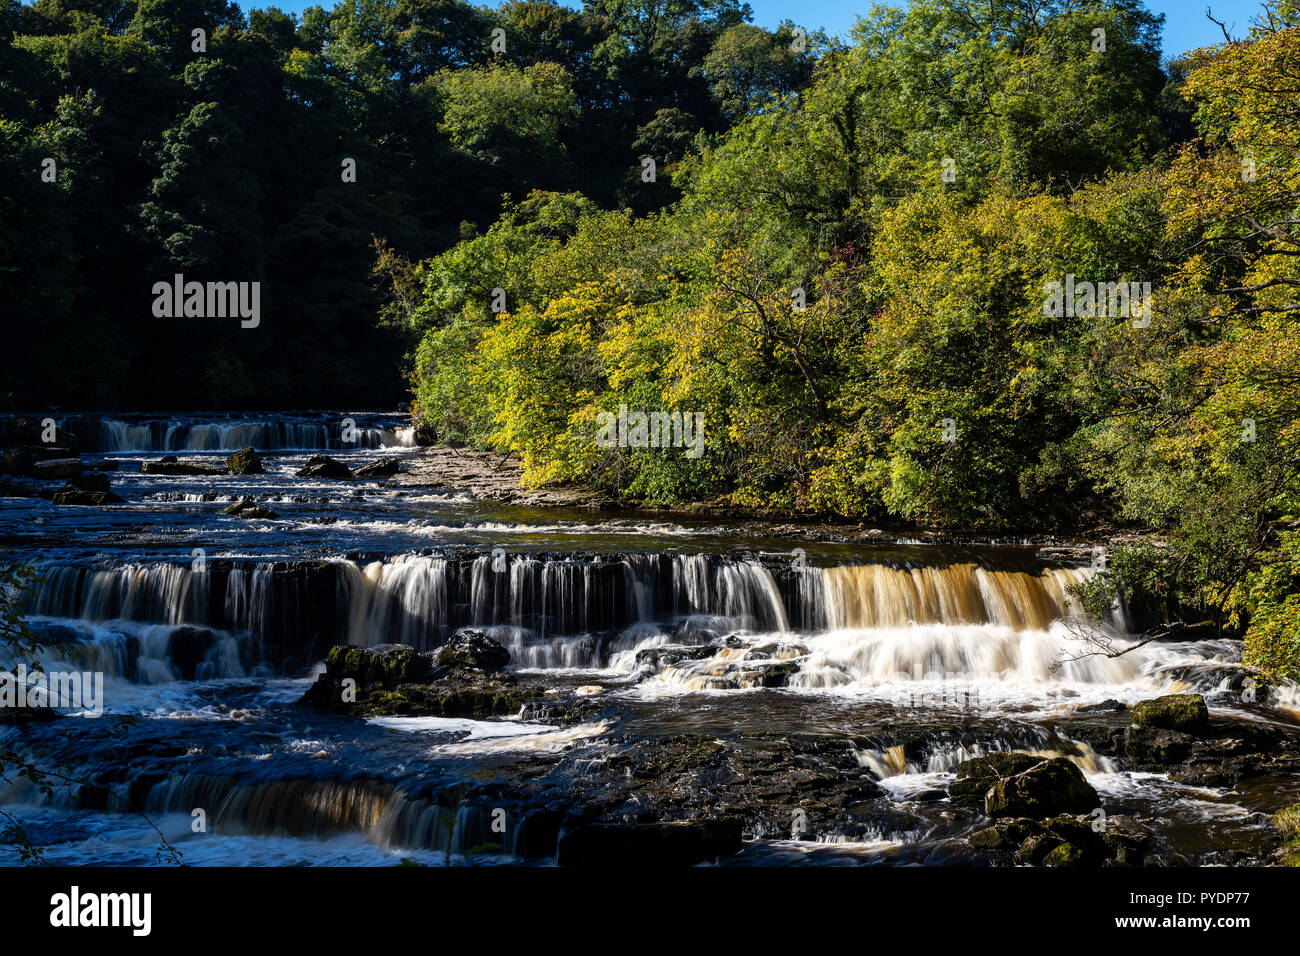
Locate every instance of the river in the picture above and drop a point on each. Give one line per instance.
(887, 662)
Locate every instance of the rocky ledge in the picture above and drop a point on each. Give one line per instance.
(1175, 735)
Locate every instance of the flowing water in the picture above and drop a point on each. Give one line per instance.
(208, 629)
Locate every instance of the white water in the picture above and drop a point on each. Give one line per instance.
(269, 435)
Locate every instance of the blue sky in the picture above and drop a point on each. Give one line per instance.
(1185, 24)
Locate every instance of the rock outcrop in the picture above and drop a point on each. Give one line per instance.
(244, 462)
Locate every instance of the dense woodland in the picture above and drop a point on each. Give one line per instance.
(915, 187)
(225, 165)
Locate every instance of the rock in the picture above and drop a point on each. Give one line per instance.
(1148, 745)
(396, 680)
(383, 663)
(381, 468)
(665, 655)
(990, 838)
(677, 843)
(975, 777)
(1108, 706)
(248, 508)
(323, 466)
(1049, 788)
(75, 496)
(90, 482)
(1062, 841)
(566, 713)
(244, 462)
(1065, 855)
(767, 674)
(1186, 713)
(57, 468)
(171, 465)
(1126, 839)
(473, 650)
(1035, 849)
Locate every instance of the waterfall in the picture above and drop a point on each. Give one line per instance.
(875, 595)
(271, 434)
(575, 611)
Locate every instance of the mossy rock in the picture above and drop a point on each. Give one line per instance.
(1035, 848)
(395, 680)
(385, 664)
(1047, 789)
(1065, 855)
(1185, 713)
(990, 838)
(245, 462)
(975, 777)
(248, 508)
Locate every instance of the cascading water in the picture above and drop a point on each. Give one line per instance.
(847, 623)
(271, 434)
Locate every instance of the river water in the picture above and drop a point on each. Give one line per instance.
(208, 629)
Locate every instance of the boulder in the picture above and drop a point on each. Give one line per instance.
(75, 496)
(383, 663)
(380, 468)
(323, 466)
(1185, 713)
(975, 777)
(1151, 745)
(1108, 706)
(248, 508)
(395, 680)
(1065, 855)
(471, 649)
(57, 468)
(1126, 839)
(1049, 788)
(677, 843)
(244, 462)
(189, 649)
(665, 655)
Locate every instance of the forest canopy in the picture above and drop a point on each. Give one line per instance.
(140, 139)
